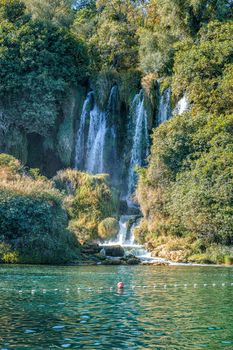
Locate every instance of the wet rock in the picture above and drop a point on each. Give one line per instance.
(112, 262)
(114, 251)
(131, 260)
(90, 248)
(103, 252)
(129, 208)
(157, 263)
(160, 263)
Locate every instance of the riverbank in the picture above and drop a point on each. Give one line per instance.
(95, 254)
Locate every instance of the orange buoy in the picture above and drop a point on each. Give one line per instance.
(120, 285)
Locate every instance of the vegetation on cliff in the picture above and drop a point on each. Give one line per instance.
(186, 191)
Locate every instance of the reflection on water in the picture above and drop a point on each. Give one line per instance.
(80, 308)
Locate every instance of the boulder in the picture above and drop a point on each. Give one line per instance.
(90, 248)
(114, 251)
(131, 260)
(112, 262)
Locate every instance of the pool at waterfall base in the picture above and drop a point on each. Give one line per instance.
(167, 307)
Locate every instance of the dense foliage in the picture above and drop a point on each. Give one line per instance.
(33, 221)
(203, 68)
(89, 200)
(39, 62)
(187, 189)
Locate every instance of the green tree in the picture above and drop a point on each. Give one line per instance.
(39, 62)
(11, 10)
(203, 69)
(171, 22)
(110, 30)
(57, 11)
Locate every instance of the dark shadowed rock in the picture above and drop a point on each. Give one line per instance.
(131, 260)
(91, 248)
(114, 251)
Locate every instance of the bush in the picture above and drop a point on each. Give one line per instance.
(33, 222)
(108, 228)
(7, 255)
(90, 199)
(8, 161)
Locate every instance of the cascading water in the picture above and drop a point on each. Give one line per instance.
(80, 143)
(164, 112)
(94, 133)
(126, 239)
(98, 138)
(96, 141)
(140, 145)
(182, 106)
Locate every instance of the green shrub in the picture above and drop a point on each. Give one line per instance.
(228, 259)
(108, 228)
(7, 255)
(10, 162)
(90, 199)
(33, 221)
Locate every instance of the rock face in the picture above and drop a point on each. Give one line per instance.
(115, 251)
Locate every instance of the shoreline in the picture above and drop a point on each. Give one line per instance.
(170, 264)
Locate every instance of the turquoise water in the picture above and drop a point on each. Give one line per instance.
(170, 308)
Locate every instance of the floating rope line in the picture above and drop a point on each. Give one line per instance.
(158, 286)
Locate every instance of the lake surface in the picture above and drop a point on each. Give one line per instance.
(175, 307)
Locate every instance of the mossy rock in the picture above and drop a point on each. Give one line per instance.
(108, 228)
(200, 259)
(115, 251)
(228, 260)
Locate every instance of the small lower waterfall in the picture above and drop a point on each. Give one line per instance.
(164, 112)
(126, 239)
(140, 144)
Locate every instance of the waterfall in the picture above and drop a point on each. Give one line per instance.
(80, 143)
(96, 141)
(164, 112)
(126, 239)
(96, 137)
(140, 145)
(111, 149)
(125, 236)
(182, 106)
(99, 138)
